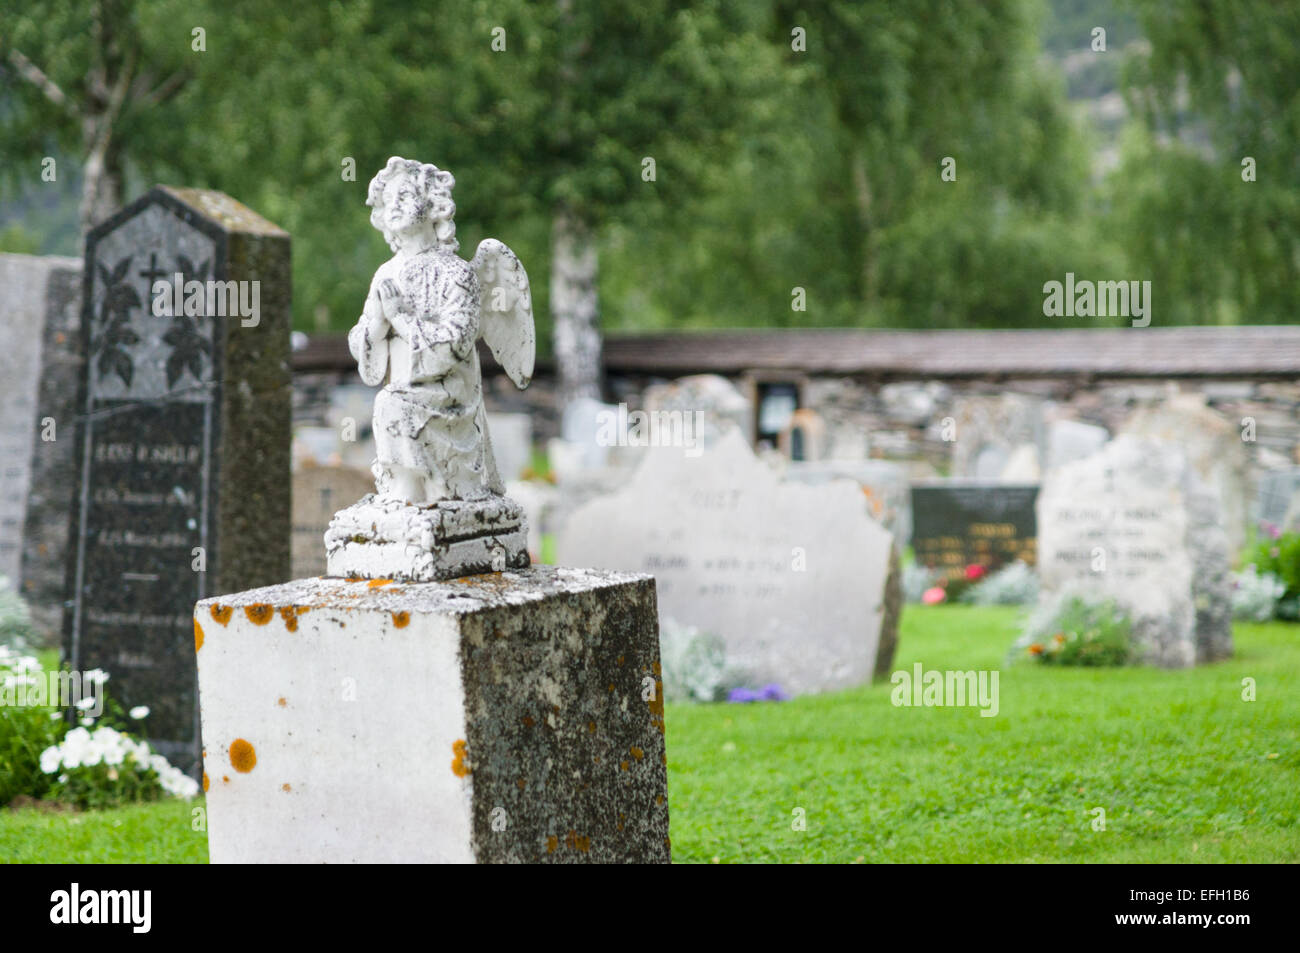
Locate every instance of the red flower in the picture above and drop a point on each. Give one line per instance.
(974, 571)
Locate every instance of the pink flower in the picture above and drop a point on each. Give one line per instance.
(974, 571)
(933, 596)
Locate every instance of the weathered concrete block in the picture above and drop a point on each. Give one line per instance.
(506, 717)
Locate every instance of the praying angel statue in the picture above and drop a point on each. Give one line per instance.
(440, 508)
(417, 335)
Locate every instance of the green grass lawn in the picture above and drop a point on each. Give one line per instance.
(1184, 768)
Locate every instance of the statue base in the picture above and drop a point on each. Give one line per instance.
(378, 539)
(515, 717)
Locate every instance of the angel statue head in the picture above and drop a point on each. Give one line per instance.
(411, 199)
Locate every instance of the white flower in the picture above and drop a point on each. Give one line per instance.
(55, 715)
(96, 676)
(50, 759)
(140, 711)
(86, 722)
(86, 704)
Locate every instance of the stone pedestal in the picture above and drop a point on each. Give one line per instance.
(374, 539)
(506, 717)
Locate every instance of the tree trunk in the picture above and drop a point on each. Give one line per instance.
(862, 196)
(575, 308)
(101, 185)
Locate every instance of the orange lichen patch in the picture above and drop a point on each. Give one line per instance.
(636, 752)
(281, 702)
(658, 669)
(552, 842)
(377, 583)
(206, 782)
(578, 843)
(290, 618)
(620, 660)
(260, 613)
(284, 787)
(301, 609)
(611, 686)
(522, 783)
(242, 756)
(400, 619)
(221, 613)
(528, 721)
(591, 727)
(659, 798)
(596, 759)
(622, 765)
(225, 779)
(355, 579)
(459, 765)
(198, 635)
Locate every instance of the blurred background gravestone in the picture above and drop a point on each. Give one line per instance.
(40, 365)
(1136, 524)
(1213, 446)
(791, 577)
(318, 493)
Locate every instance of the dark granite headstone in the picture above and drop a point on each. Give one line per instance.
(183, 444)
(959, 523)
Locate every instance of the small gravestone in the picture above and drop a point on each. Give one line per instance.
(959, 523)
(183, 442)
(318, 493)
(1213, 446)
(1274, 497)
(512, 442)
(39, 369)
(1136, 524)
(791, 577)
(1070, 440)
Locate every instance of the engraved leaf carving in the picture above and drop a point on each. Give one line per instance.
(115, 334)
(188, 347)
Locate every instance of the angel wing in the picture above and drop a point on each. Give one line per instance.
(506, 311)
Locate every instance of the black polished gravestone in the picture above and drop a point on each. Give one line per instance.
(958, 523)
(182, 444)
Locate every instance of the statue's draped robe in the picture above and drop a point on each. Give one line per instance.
(429, 418)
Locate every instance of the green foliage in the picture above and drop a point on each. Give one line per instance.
(1081, 633)
(25, 730)
(1280, 556)
(775, 168)
(14, 239)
